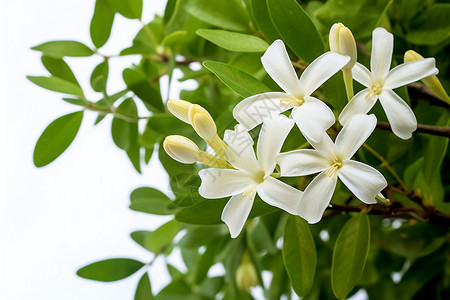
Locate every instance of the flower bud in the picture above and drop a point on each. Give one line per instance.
(181, 149)
(411, 55)
(202, 122)
(179, 108)
(246, 277)
(342, 41)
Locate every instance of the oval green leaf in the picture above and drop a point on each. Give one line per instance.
(240, 82)
(151, 201)
(125, 133)
(99, 77)
(64, 48)
(296, 29)
(262, 19)
(131, 9)
(299, 254)
(110, 269)
(144, 289)
(58, 68)
(56, 84)
(56, 138)
(137, 82)
(101, 23)
(233, 41)
(350, 254)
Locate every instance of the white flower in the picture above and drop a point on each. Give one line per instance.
(250, 175)
(380, 83)
(312, 116)
(333, 160)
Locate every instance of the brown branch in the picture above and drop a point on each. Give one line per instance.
(418, 90)
(422, 128)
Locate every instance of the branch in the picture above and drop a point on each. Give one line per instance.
(418, 90)
(423, 128)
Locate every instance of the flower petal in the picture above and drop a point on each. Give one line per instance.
(253, 110)
(316, 198)
(240, 152)
(362, 180)
(320, 70)
(313, 118)
(399, 114)
(218, 183)
(380, 60)
(271, 138)
(361, 103)
(278, 65)
(362, 75)
(354, 134)
(302, 162)
(279, 194)
(410, 72)
(236, 212)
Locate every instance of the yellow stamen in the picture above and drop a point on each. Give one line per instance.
(336, 164)
(250, 193)
(375, 91)
(292, 100)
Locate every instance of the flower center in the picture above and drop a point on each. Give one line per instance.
(336, 164)
(258, 177)
(375, 91)
(292, 100)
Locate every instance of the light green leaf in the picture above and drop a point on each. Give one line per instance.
(296, 29)
(262, 19)
(110, 269)
(101, 23)
(299, 254)
(174, 38)
(125, 133)
(412, 171)
(206, 261)
(56, 84)
(242, 83)
(56, 138)
(131, 9)
(58, 68)
(150, 200)
(144, 289)
(156, 241)
(63, 48)
(99, 77)
(350, 254)
(198, 236)
(234, 41)
(140, 85)
(431, 27)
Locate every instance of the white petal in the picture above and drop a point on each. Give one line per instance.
(271, 138)
(320, 70)
(380, 60)
(253, 110)
(362, 75)
(313, 118)
(302, 162)
(236, 212)
(399, 114)
(316, 198)
(279, 194)
(354, 134)
(362, 180)
(410, 72)
(218, 183)
(361, 103)
(240, 152)
(278, 65)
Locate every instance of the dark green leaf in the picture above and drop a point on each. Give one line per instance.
(176, 290)
(242, 83)
(58, 68)
(334, 90)
(412, 171)
(206, 261)
(198, 236)
(110, 269)
(56, 138)
(431, 27)
(144, 289)
(234, 41)
(204, 213)
(147, 92)
(63, 48)
(150, 200)
(101, 22)
(299, 254)
(99, 77)
(296, 29)
(131, 9)
(56, 84)
(125, 133)
(350, 254)
(262, 19)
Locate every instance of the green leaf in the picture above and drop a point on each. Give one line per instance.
(56, 84)
(296, 29)
(151, 201)
(144, 289)
(334, 90)
(203, 213)
(224, 14)
(240, 82)
(125, 133)
(131, 9)
(431, 27)
(157, 240)
(60, 49)
(56, 138)
(198, 236)
(99, 77)
(350, 254)
(137, 82)
(262, 19)
(412, 171)
(299, 254)
(110, 269)
(101, 23)
(174, 38)
(58, 68)
(206, 261)
(234, 41)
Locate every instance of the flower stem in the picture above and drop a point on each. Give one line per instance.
(213, 161)
(348, 81)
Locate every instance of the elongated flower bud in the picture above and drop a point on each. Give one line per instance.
(202, 122)
(246, 276)
(342, 41)
(181, 149)
(179, 108)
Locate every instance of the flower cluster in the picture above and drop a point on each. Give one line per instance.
(235, 171)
